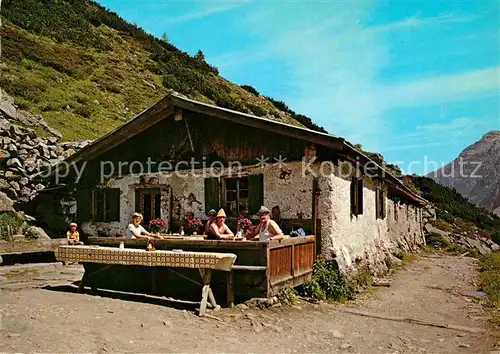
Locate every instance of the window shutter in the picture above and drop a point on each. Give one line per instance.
(83, 205)
(113, 204)
(255, 193)
(377, 204)
(359, 193)
(382, 204)
(354, 197)
(212, 194)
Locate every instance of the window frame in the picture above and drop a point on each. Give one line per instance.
(238, 198)
(380, 204)
(357, 198)
(106, 196)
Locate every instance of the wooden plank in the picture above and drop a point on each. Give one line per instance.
(229, 289)
(144, 120)
(204, 300)
(20, 247)
(260, 123)
(249, 268)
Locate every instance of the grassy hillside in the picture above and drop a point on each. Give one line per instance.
(87, 71)
(453, 209)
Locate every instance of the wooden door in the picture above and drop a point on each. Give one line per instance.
(148, 203)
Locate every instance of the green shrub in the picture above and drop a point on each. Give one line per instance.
(257, 110)
(437, 240)
(250, 89)
(328, 283)
(9, 220)
(288, 296)
(442, 225)
(455, 249)
(495, 236)
(489, 277)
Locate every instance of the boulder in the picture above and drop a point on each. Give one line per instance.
(23, 181)
(11, 193)
(12, 175)
(16, 130)
(4, 184)
(431, 229)
(4, 155)
(6, 204)
(36, 233)
(52, 140)
(5, 141)
(14, 185)
(54, 132)
(14, 162)
(26, 146)
(12, 148)
(68, 152)
(495, 247)
(31, 132)
(25, 192)
(4, 123)
(39, 187)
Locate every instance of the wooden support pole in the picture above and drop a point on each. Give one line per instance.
(229, 289)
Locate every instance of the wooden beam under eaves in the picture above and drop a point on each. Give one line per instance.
(178, 115)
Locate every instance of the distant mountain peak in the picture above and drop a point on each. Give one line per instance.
(475, 173)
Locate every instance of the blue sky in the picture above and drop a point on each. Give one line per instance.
(414, 80)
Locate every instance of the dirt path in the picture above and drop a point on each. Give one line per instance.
(431, 289)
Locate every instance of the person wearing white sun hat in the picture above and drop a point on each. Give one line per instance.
(268, 229)
(218, 229)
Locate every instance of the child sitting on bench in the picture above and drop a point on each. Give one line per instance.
(73, 236)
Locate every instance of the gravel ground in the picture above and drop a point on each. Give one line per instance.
(41, 312)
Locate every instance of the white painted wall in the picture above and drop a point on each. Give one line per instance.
(344, 237)
(292, 193)
(349, 238)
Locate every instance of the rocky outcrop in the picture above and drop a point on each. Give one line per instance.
(36, 233)
(23, 154)
(475, 173)
(471, 241)
(9, 108)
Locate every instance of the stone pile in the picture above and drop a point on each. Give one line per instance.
(23, 154)
(483, 245)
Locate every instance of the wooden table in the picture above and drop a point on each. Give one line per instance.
(204, 261)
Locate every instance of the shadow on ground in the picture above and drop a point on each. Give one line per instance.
(140, 298)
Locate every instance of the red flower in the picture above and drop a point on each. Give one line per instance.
(195, 222)
(244, 224)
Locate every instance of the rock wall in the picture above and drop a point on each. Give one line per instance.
(24, 154)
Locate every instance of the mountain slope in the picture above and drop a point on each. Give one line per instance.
(475, 173)
(86, 70)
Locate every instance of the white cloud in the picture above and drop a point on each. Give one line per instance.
(441, 89)
(335, 63)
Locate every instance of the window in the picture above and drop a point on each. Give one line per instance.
(148, 203)
(106, 204)
(235, 195)
(380, 209)
(357, 196)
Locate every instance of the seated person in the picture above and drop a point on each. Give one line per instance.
(185, 227)
(73, 235)
(268, 229)
(211, 218)
(218, 229)
(135, 230)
